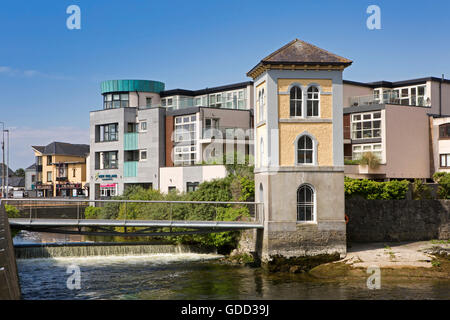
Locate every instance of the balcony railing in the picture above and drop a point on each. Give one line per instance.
(227, 133)
(131, 141)
(130, 168)
(388, 98)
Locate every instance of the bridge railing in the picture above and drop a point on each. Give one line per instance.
(79, 209)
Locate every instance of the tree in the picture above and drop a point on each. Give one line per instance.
(20, 172)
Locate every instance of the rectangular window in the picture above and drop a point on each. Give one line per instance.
(148, 102)
(109, 190)
(191, 186)
(185, 155)
(74, 173)
(108, 132)
(172, 189)
(366, 126)
(132, 127)
(360, 149)
(143, 126)
(115, 100)
(143, 155)
(444, 160)
(49, 160)
(185, 129)
(109, 160)
(49, 176)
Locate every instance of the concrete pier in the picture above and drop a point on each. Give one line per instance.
(9, 279)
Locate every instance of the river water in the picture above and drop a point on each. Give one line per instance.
(195, 276)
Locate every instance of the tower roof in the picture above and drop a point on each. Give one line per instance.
(301, 53)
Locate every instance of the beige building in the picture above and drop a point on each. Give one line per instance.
(61, 169)
(391, 120)
(299, 170)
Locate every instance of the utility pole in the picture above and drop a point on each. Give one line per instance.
(3, 159)
(7, 165)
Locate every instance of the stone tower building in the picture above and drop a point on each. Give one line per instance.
(299, 169)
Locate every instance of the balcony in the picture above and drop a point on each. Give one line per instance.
(227, 132)
(130, 169)
(388, 98)
(61, 178)
(130, 141)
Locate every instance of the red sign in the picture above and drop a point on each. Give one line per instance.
(109, 185)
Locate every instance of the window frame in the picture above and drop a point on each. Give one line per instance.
(312, 100)
(311, 204)
(314, 149)
(354, 122)
(296, 100)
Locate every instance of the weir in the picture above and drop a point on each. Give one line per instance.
(35, 251)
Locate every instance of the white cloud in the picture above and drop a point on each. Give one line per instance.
(22, 138)
(12, 72)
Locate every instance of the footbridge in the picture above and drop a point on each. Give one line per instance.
(124, 217)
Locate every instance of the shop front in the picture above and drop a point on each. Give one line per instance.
(44, 190)
(69, 190)
(108, 190)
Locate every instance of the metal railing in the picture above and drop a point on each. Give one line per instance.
(388, 98)
(227, 133)
(151, 210)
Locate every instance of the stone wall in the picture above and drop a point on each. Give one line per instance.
(9, 279)
(397, 220)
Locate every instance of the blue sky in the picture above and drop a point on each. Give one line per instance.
(50, 76)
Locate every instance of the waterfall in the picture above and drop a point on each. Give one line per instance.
(103, 249)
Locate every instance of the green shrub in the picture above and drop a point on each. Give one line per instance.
(351, 162)
(370, 159)
(93, 213)
(443, 179)
(420, 190)
(373, 190)
(11, 211)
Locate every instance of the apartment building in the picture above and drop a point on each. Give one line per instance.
(61, 169)
(391, 120)
(143, 132)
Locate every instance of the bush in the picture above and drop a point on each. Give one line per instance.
(372, 190)
(420, 190)
(11, 211)
(370, 159)
(443, 179)
(93, 213)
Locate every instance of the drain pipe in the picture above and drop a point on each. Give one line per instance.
(440, 95)
(137, 105)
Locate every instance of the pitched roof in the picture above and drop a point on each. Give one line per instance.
(15, 181)
(32, 167)
(63, 148)
(298, 52)
(8, 170)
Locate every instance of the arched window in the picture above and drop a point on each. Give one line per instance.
(296, 102)
(305, 150)
(312, 105)
(305, 203)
